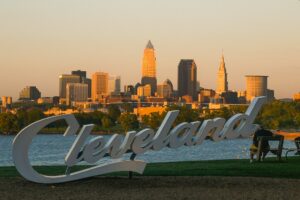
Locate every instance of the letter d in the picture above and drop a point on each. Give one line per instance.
(248, 128)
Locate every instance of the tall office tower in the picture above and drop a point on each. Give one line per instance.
(30, 93)
(222, 83)
(64, 79)
(149, 68)
(256, 86)
(99, 85)
(114, 85)
(84, 79)
(81, 74)
(187, 78)
(76, 92)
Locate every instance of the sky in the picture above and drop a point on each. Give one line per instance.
(39, 40)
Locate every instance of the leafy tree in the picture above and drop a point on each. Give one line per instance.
(34, 115)
(114, 112)
(280, 115)
(129, 121)
(127, 107)
(223, 113)
(185, 114)
(8, 123)
(106, 122)
(153, 120)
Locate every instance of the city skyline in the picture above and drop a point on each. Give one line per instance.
(260, 41)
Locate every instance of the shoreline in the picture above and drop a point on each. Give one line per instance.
(290, 134)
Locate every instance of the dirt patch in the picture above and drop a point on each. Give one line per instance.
(154, 188)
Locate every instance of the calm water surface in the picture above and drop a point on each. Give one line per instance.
(51, 150)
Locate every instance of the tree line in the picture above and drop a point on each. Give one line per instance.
(274, 115)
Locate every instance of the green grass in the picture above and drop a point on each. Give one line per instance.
(268, 168)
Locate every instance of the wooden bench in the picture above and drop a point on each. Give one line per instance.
(275, 150)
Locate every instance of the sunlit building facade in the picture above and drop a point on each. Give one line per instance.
(149, 67)
(256, 86)
(165, 90)
(144, 91)
(114, 85)
(99, 85)
(6, 101)
(84, 79)
(30, 93)
(76, 92)
(64, 79)
(222, 82)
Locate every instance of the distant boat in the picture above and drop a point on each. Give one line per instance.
(288, 135)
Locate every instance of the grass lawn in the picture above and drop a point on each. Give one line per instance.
(269, 168)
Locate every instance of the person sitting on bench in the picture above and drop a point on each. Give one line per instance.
(265, 144)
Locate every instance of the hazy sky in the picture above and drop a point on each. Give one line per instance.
(40, 39)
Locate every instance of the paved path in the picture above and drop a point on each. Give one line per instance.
(154, 188)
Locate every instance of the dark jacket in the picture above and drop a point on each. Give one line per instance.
(261, 132)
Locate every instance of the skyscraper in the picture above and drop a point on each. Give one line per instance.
(222, 83)
(64, 80)
(187, 78)
(99, 85)
(76, 92)
(149, 68)
(81, 74)
(84, 79)
(114, 85)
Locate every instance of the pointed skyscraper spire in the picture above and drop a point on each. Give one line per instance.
(149, 45)
(222, 83)
(222, 63)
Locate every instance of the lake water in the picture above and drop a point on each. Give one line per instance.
(51, 150)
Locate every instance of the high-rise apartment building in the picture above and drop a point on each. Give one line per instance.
(30, 93)
(222, 83)
(187, 78)
(64, 79)
(76, 92)
(99, 85)
(114, 85)
(149, 67)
